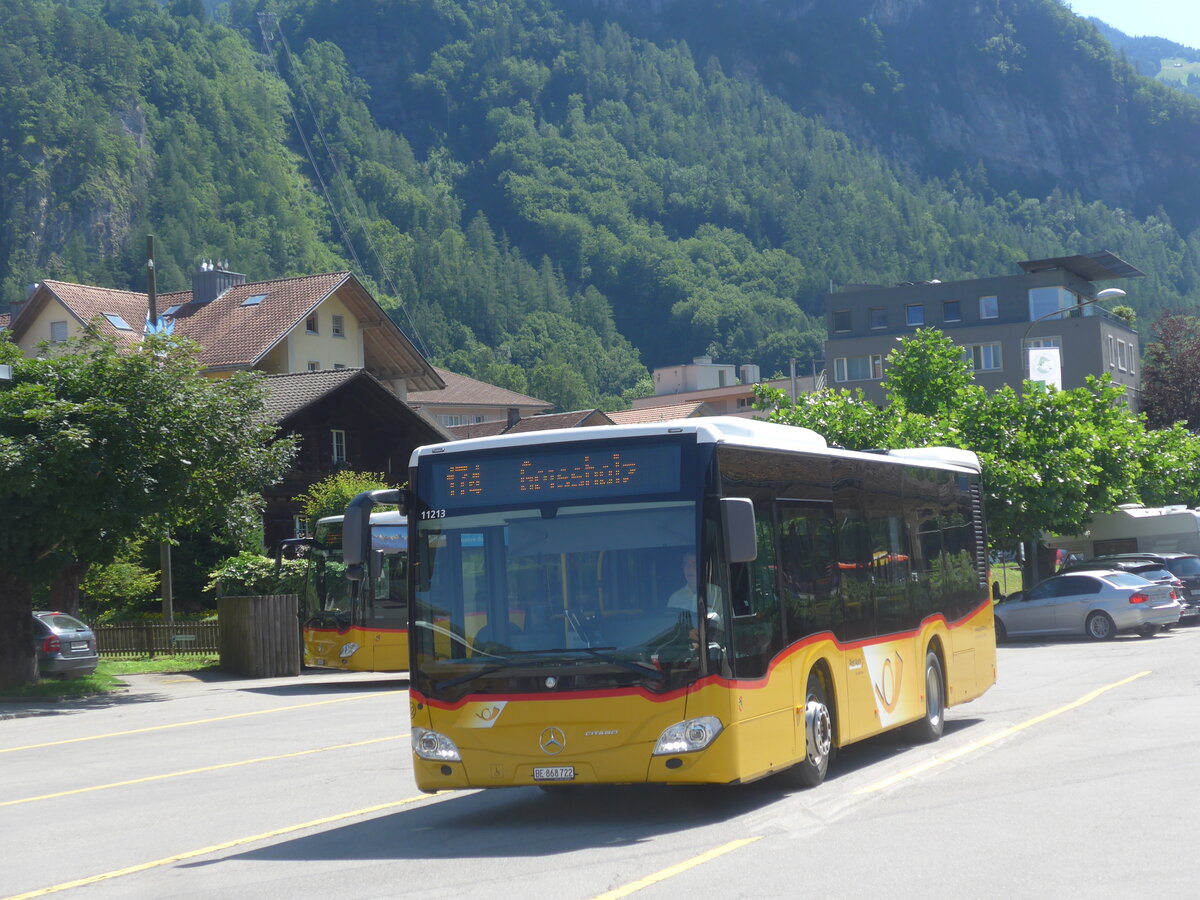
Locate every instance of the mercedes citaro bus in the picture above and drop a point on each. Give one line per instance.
(699, 601)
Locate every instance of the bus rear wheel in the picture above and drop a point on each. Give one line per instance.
(818, 737)
(929, 728)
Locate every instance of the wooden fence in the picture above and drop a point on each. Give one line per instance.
(156, 639)
(260, 636)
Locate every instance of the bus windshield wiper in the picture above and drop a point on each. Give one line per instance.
(480, 673)
(600, 653)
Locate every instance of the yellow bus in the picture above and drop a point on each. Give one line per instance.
(345, 627)
(700, 601)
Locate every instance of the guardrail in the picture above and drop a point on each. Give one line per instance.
(154, 638)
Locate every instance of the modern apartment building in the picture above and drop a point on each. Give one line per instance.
(995, 320)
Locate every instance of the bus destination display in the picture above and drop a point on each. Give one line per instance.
(542, 477)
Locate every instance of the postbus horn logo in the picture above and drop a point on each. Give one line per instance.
(552, 741)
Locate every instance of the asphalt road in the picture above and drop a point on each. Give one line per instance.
(1077, 775)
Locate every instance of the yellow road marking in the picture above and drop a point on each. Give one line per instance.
(672, 870)
(260, 712)
(215, 848)
(229, 765)
(983, 742)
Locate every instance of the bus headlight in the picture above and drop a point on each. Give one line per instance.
(433, 745)
(688, 736)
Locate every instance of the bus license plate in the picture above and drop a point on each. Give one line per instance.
(553, 773)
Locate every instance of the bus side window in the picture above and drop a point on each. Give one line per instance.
(757, 626)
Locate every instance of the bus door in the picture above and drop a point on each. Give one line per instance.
(809, 579)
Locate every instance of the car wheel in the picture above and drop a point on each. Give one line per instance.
(1147, 631)
(1001, 633)
(1100, 626)
(928, 729)
(818, 738)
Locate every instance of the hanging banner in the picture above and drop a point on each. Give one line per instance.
(1045, 365)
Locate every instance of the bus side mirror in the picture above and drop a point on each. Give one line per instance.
(375, 562)
(737, 520)
(356, 531)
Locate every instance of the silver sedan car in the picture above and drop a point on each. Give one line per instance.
(1097, 604)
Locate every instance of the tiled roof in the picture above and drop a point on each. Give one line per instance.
(463, 391)
(576, 419)
(291, 394)
(233, 336)
(288, 394)
(661, 413)
(95, 303)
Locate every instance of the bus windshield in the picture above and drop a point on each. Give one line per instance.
(594, 593)
(328, 596)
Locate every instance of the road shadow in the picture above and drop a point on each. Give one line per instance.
(525, 822)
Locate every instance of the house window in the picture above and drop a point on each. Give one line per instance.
(1121, 364)
(878, 316)
(1045, 302)
(339, 445)
(841, 321)
(338, 326)
(449, 420)
(983, 357)
(914, 315)
(1034, 343)
(858, 368)
(337, 366)
(314, 365)
(989, 307)
(951, 311)
(1112, 353)
(58, 332)
(310, 324)
(299, 526)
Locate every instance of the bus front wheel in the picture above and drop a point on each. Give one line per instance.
(929, 728)
(818, 737)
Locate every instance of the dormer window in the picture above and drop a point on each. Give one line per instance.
(310, 324)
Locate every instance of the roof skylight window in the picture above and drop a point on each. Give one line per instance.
(118, 322)
(254, 300)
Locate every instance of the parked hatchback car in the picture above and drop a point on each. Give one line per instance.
(65, 646)
(1184, 566)
(1098, 604)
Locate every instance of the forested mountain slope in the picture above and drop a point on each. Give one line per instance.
(542, 198)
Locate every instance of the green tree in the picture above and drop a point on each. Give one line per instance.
(99, 446)
(927, 373)
(330, 496)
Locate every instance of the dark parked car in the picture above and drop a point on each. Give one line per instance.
(1184, 566)
(65, 646)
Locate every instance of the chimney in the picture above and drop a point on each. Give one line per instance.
(14, 308)
(212, 279)
(514, 416)
(751, 374)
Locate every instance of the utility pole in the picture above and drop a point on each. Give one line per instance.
(164, 547)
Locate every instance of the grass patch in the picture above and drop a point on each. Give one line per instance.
(106, 678)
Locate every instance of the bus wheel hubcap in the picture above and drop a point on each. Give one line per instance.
(819, 731)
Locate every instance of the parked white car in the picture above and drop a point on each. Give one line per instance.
(1097, 604)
